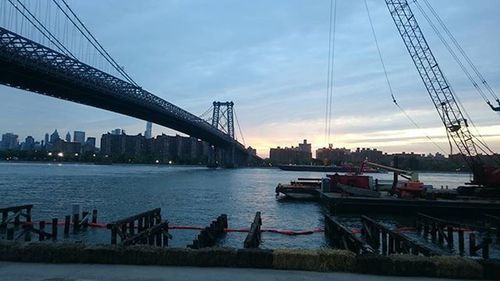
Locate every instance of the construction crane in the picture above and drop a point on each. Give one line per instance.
(441, 94)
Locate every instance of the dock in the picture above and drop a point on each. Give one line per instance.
(340, 203)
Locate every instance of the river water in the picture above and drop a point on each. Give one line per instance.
(187, 196)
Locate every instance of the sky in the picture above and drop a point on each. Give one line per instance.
(271, 59)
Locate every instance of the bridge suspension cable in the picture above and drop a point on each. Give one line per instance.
(59, 26)
(239, 128)
(92, 40)
(40, 27)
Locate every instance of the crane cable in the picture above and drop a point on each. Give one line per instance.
(456, 57)
(461, 50)
(389, 85)
(329, 77)
(481, 143)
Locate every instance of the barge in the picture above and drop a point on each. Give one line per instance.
(325, 169)
(357, 193)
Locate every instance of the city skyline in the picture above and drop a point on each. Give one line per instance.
(277, 74)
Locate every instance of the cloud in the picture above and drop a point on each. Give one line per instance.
(270, 57)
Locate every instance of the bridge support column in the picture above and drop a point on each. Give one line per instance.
(212, 157)
(229, 157)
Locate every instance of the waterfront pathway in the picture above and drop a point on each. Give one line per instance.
(90, 272)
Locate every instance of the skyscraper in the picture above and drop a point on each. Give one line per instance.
(29, 143)
(148, 132)
(68, 137)
(54, 137)
(79, 136)
(46, 139)
(9, 141)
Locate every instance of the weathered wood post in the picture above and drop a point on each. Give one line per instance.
(461, 242)
(94, 216)
(131, 228)
(450, 237)
(165, 236)
(391, 244)
(384, 243)
(16, 217)
(4, 218)
(76, 223)
(433, 232)
(397, 245)
(85, 219)
(54, 229)
(485, 247)
(28, 213)
(440, 229)
(41, 234)
(67, 222)
(472, 244)
(27, 234)
(10, 233)
(113, 235)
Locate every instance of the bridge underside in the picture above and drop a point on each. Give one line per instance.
(27, 65)
(43, 83)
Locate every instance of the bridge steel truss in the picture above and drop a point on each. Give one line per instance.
(30, 66)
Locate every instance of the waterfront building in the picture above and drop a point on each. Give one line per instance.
(332, 155)
(67, 148)
(373, 155)
(162, 149)
(305, 147)
(292, 155)
(122, 147)
(68, 137)
(79, 136)
(9, 141)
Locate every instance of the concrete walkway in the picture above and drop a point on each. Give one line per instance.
(90, 272)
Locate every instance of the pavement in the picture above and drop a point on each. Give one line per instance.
(90, 272)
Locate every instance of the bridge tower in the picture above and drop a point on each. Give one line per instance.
(223, 119)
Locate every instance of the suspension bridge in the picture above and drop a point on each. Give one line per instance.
(36, 56)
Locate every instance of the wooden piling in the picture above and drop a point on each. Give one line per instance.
(54, 229)
(85, 220)
(461, 242)
(384, 243)
(76, 223)
(41, 234)
(472, 244)
(67, 222)
(113, 236)
(485, 248)
(94, 216)
(449, 233)
(16, 218)
(10, 233)
(28, 213)
(27, 234)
